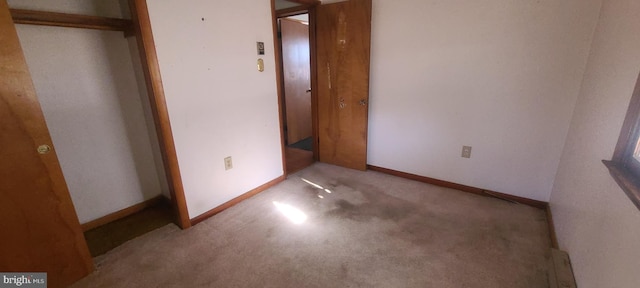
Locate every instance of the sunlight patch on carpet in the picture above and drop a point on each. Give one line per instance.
(316, 185)
(294, 214)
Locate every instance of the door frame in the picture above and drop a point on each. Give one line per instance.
(155, 91)
(308, 7)
(140, 27)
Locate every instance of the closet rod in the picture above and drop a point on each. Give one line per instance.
(21, 16)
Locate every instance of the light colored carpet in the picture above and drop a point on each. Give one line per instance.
(372, 230)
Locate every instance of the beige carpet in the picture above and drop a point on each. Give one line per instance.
(372, 230)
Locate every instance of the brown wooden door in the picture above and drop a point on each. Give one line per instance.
(343, 40)
(297, 84)
(40, 229)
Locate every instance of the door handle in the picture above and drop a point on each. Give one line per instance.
(309, 90)
(44, 149)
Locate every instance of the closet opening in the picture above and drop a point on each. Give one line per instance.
(90, 75)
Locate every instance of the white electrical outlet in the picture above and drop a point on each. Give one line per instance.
(228, 163)
(466, 151)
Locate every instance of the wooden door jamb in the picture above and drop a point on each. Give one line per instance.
(155, 91)
(309, 8)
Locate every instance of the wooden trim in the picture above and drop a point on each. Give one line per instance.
(512, 198)
(21, 16)
(277, 51)
(552, 228)
(123, 213)
(311, 10)
(234, 201)
(153, 80)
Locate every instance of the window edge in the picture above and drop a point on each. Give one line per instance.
(625, 180)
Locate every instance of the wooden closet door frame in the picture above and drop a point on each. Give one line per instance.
(35, 124)
(155, 91)
(140, 27)
(309, 7)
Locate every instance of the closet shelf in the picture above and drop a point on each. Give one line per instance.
(21, 16)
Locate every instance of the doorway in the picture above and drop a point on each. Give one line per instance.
(339, 46)
(296, 101)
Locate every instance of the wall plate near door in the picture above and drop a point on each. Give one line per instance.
(228, 163)
(466, 151)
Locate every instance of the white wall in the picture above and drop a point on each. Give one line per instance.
(134, 52)
(594, 219)
(219, 104)
(90, 98)
(501, 76)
